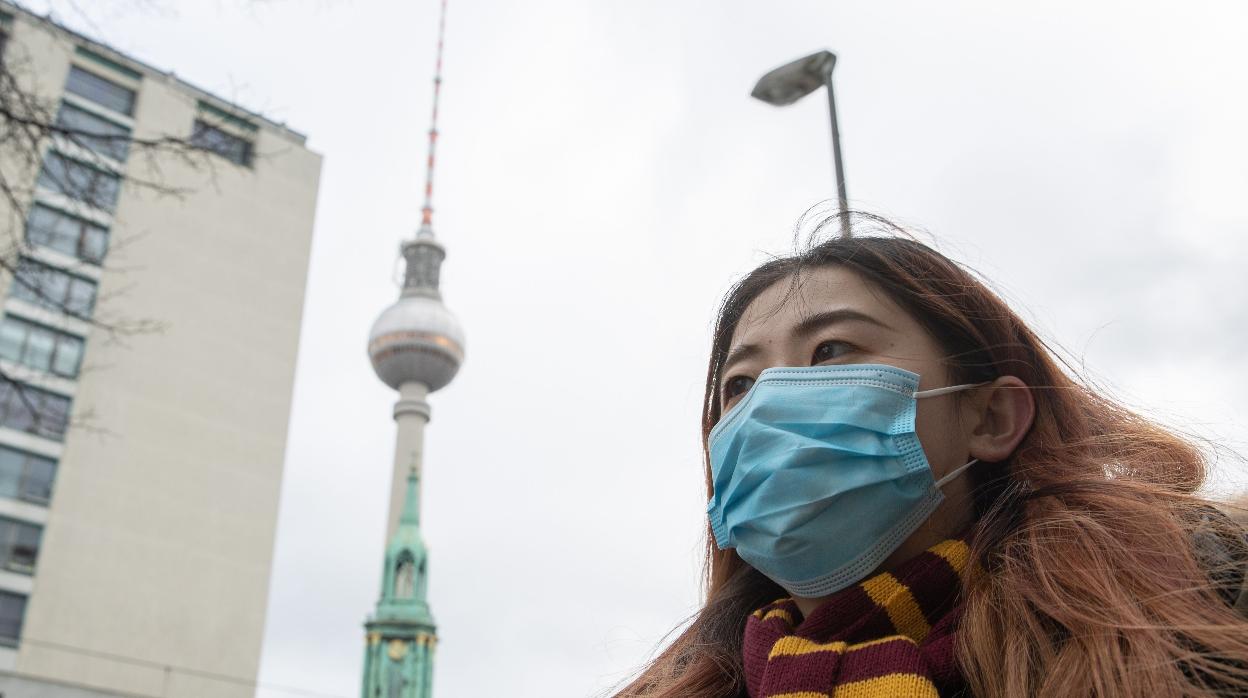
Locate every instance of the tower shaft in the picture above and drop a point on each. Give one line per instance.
(411, 414)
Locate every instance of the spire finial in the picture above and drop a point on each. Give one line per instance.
(426, 212)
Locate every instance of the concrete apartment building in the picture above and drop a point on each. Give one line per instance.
(140, 470)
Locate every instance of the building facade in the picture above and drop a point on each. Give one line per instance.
(150, 307)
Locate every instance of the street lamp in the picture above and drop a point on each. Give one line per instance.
(789, 83)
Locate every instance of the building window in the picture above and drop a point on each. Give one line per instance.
(103, 92)
(94, 132)
(12, 610)
(227, 145)
(40, 347)
(80, 181)
(19, 545)
(60, 231)
(26, 476)
(34, 410)
(54, 289)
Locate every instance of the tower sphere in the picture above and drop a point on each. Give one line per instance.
(416, 340)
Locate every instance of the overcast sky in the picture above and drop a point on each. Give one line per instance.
(603, 178)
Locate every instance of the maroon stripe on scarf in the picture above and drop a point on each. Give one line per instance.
(806, 672)
(849, 615)
(939, 590)
(940, 652)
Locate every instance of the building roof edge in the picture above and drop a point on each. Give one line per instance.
(152, 71)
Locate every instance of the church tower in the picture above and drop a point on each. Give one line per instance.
(400, 636)
(416, 347)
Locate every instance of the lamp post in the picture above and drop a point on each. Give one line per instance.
(789, 83)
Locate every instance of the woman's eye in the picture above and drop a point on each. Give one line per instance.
(737, 385)
(830, 350)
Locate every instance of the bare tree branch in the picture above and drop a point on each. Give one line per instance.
(50, 144)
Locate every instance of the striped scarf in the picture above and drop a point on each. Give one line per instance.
(889, 636)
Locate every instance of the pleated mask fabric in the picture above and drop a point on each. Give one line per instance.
(818, 474)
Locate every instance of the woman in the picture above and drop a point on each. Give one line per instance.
(909, 496)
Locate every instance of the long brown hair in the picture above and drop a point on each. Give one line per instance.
(1094, 574)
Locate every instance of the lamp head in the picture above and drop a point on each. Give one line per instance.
(789, 83)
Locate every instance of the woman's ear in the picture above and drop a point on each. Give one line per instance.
(1004, 411)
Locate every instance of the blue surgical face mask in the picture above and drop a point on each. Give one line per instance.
(818, 474)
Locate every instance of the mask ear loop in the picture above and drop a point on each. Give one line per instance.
(934, 392)
(954, 473)
(946, 390)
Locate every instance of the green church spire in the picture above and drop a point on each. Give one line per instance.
(401, 635)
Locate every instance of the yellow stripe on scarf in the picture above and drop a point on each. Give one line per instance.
(778, 613)
(890, 686)
(895, 598)
(955, 552)
(792, 646)
(759, 613)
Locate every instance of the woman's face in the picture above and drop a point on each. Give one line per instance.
(835, 316)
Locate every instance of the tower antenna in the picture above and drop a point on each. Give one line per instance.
(426, 212)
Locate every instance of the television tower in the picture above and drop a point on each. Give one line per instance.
(416, 347)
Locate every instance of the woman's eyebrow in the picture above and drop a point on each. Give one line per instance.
(813, 323)
(808, 325)
(739, 353)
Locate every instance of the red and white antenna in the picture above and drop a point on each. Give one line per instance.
(426, 212)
